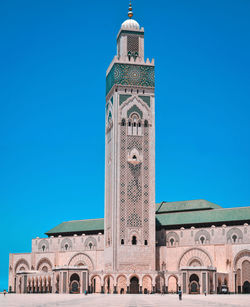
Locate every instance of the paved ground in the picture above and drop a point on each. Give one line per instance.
(100, 300)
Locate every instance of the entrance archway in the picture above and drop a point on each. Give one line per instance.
(172, 284)
(194, 287)
(74, 283)
(246, 287)
(134, 285)
(96, 284)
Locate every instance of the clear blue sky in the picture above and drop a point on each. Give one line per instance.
(53, 59)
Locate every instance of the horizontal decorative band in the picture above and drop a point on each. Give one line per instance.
(131, 75)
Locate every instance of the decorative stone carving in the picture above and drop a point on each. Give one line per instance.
(44, 262)
(234, 235)
(43, 246)
(193, 253)
(82, 259)
(202, 236)
(90, 243)
(22, 263)
(66, 244)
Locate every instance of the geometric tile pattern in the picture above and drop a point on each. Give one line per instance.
(130, 74)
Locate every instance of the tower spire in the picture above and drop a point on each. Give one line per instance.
(130, 12)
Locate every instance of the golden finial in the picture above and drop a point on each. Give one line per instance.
(130, 12)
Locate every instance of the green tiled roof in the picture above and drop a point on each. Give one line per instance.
(78, 226)
(187, 205)
(204, 217)
(168, 214)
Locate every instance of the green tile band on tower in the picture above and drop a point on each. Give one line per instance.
(130, 74)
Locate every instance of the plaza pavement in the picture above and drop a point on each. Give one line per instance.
(129, 300)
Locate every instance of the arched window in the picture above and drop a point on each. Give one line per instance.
(202, 239)
(90, 245)
(66, 246)
(44, 269)
(122, 242)
(145, 123)
(139, 124)
(43, 248)
(134, 157)
(146, 242)
(129, 123)
(234, 237)
(134, 124)
(134, 240)
(172, 241)
(123, 122)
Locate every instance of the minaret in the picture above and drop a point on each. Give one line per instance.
(130, 155)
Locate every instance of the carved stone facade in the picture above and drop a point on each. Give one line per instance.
(140, 246)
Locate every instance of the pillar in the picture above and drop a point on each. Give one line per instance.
(214, 283)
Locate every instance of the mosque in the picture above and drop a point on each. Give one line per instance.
(139, 246)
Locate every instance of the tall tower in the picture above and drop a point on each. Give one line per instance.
(130, 155)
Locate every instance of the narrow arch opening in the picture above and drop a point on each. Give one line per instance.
(202, 239)
(234, 237)
(122, 242)
(134, 240)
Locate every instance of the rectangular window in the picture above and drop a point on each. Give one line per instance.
(133, 43)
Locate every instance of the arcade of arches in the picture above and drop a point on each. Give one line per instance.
(196, 275)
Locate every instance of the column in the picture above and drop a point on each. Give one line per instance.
(201, 281)
(85, 286)
(166, 283)
(184, 282)
(214, 283)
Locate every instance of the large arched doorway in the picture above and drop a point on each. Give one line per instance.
(74, 283)
(246, 287)
(134, 285)
(194, 286)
